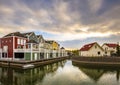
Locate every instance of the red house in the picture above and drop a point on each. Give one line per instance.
(10, 42)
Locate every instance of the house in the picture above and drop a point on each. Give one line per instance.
(31, 36)
(92, 49)
(63, 52)
(48, 49)
(32, 53)
(55, 45)
(11, 43)
(109, 48)
(0, 49)
(27, 46)
(41, 42)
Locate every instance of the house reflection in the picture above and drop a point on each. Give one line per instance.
(9, 76)
(96, 73)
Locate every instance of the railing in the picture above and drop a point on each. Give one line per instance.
(25, 50)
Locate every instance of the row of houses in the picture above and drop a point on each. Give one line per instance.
(29, 46)
(94, 49)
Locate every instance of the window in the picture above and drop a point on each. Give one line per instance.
(18, 41)
(95, 46)
(21, 41)
(9, 40)
(24, 42)
(18, 46)
(29, 46)
(98, 52)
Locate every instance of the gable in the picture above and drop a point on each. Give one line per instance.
(40, 38)
(90, 46)
(96, 46)
(87, 47)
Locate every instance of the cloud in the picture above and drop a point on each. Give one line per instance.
(66, 19)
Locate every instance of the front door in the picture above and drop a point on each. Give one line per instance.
(35, 55)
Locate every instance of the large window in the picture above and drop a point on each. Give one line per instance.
(29, 46)
(18, 41)
(24, 42)
(21, 41)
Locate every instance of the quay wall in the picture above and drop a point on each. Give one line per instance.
(97, 61)
(20, 63)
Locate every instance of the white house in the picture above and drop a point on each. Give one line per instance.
(109, 48)
(91, 50)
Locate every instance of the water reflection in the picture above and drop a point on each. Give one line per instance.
(61, 73)
(9, 76)
(101, 76)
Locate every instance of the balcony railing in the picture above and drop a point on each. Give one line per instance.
(25, 50)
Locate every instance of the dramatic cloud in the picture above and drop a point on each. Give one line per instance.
(62, 20)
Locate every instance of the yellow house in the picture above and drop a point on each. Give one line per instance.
(54, 44)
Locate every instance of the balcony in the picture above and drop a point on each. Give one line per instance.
(25, 50)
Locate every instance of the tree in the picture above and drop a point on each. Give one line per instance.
(75, 52)
(118, 50)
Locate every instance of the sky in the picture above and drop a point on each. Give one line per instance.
(72, 23)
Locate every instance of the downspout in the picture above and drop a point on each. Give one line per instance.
(13, 47)
(31, 51)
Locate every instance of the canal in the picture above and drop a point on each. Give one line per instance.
(60, 73)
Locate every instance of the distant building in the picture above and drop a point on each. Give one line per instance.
(55, 45)
(63, 52)
(109, 48)
(92, 50)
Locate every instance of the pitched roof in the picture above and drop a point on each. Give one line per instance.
(15, 34)
(32, 41)
(62, 48)
(87, 47)
(49, 41)
(111, 45)
(28, 33)
(39, 36)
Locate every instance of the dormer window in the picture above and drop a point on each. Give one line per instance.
(95, 46)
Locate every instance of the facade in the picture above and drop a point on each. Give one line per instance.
(10, 43)
(91, 50)
(48, 50)
(27, 46)
(63, 52)
(33, 51)
(109, 48)
(31, 36)
(55, 45)
(41, 43)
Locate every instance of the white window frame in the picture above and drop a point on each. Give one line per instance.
(18, 41)
(21, 41)
(24, 42)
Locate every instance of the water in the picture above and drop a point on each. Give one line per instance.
(61, 73)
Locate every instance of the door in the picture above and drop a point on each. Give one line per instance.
(35, 56)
